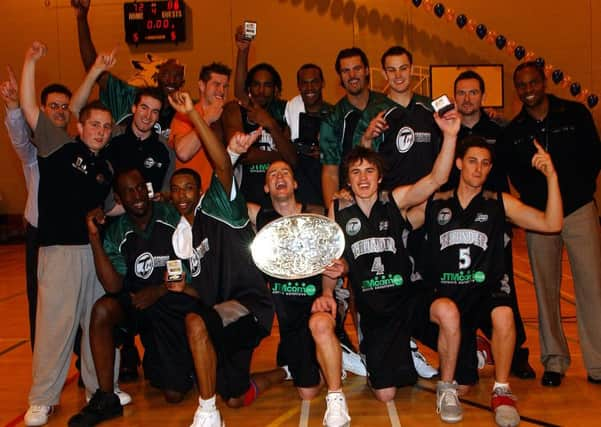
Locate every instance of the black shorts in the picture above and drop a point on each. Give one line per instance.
(167, 360)
(297, 348)
(475, 306)
(234, 346)
(386, 347)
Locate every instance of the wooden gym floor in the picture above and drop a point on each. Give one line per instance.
(575, 403)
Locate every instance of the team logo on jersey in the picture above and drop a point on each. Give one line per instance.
(444, 216)
(383, 226)
(100, 178)
(197, 255)
(195, 263)
(373, 245)
(149, 162)
(405, 139)
(293, 289)
(480, 217)
(353, 226)
(463, 236)
(144, 265)
(382, 282)
(80, 165)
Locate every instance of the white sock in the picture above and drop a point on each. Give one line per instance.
(335, 391)
(208, 404)
(501, 385)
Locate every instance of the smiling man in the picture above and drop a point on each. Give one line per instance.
(140, 146)
(304, 114)
(469, 95)
(213, 85)
(338, 129)
(116, 94)
(566, 131)
(74, 178)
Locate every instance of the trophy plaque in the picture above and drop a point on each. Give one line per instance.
(297, 246)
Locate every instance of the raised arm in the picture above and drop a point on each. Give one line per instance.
(29, 105)
(104, 62)
(284, 149)
(19, 133)
(412, 195)
(87, 50)
(549, 221)
(215, 150)
(243, 46)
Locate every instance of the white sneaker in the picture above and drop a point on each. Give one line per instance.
(37, 415)
(124, 398)
(447, 402)
(423, 368)
(207, 419)
(352, 362)
(336, 411)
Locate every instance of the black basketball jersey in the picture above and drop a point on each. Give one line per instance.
(141, 255)
(380, 269)
(465, 246)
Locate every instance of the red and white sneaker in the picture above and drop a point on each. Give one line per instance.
(504, 408)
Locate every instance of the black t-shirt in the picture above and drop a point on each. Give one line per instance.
(73, 181)
(410, 145)
(379, 267)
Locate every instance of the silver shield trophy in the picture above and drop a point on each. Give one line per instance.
(297, 246)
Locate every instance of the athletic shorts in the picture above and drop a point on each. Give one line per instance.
(475, 306)
(386, 347)
(234, 346)
(167, 359)
(297, 348)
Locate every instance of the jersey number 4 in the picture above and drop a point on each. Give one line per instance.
(377, 267)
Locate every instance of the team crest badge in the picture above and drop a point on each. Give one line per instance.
(444, 216)
(405, 139)
(144, 265)
(353, 226)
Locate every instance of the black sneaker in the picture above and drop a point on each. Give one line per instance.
(103, 406)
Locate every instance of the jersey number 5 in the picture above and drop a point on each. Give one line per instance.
(464, 258)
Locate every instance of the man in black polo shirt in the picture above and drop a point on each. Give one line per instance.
(469, 93)
(567, 132)
(74, 178)
(140, 146)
